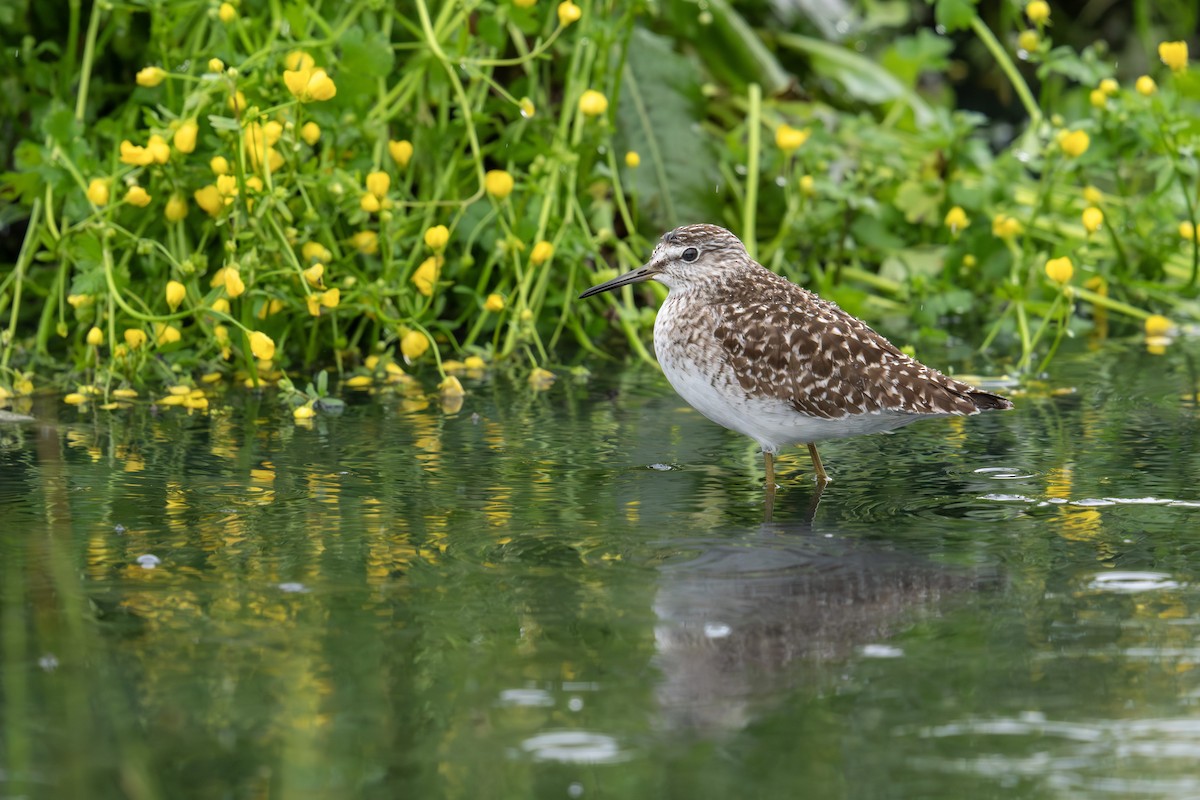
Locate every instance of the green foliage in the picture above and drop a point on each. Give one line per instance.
(554, 144)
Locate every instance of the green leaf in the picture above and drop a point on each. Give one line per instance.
(918, 201)
(59, 125)
(365, 55)
(954, 15)
(731, 49)
(659, 116)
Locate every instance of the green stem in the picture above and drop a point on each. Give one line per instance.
(1009, 68)
(754, 147)
(89, 53)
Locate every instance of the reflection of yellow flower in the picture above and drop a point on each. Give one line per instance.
(498, 183)
(541, 379)
(1145, 86)
(98, 192)
(1093, 218)
(1060, 269)
(401, 152)
(593, 103)
(957, 220)
(789, 139)
(262, 346)
(1174, 55)
(451, 387)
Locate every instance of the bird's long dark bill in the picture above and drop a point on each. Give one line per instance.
(636, 276)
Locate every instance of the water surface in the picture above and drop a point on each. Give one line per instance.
(575, 594)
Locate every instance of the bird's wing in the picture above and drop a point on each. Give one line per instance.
(825, 363)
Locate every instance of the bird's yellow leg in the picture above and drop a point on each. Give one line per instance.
(822, 478)
(769, 461)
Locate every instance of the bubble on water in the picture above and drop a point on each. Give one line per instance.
(1129, 582)
(48, 662)
(531, 698)
(881, 651)
(717, 630)
(574, 747)
(148, 561)
(575, 704)
(293, 587)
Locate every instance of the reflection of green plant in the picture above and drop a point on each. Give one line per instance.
(290, 185)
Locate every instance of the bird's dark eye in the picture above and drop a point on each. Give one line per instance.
(690, 255)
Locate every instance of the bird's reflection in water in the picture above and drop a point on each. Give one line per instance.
(738, 622)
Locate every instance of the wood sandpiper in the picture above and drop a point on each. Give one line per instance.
(759, 355)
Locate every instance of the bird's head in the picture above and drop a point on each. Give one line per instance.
(684, 257)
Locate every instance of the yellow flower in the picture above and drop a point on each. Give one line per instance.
(1060, 269)
(473, 363)
(369, 203)
(97, 191)
(1098, 98)
(262, 346)
(1109, 86)
(160, 151)
(1093, 218)
(568, 12)
(314, 273)
(309, 85)
(75, 399)
(137, 196)
(498, 183)
(234, 285)
(315, 251)
(451, 387)
(1158, 325)
(1038, 11)
(401, 152)
(216, 65)
(219, 165)
(310, 132)
(331, 297)
(808, 186)
(95, 336)
(227, 186)
(153, 76)
(134, 337)
(542, 251)
(221, 334)
(209, 199)
(378, 183)
(1005, 227)
(220, 305)
(957, 220)
(176, 292)
(1145, 86)
(413, 345)
(1187, 230)
(185, 136)
(177, 208)
(524, 3)
(124, 394)
(426, 275)
(303, 412)
(135, 155)
(1174, 55)
(632, 159)
(366, 242)
(789, 139)
(593, 103)
(1093, 196)
(299, 60)
(227, 13)
(314, 304)
(1074, 143)
(78, 301)
(437, 237)
(494, 303)
(1029, 41)
(236, 102)
(528, 110)
(165, 334)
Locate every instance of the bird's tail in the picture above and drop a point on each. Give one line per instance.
(985, 401)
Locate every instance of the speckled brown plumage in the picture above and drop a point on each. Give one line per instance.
(758, 354)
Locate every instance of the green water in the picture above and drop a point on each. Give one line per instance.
(575, 594)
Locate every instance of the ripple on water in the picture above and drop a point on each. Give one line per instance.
(1128, 582)
(574, 747)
